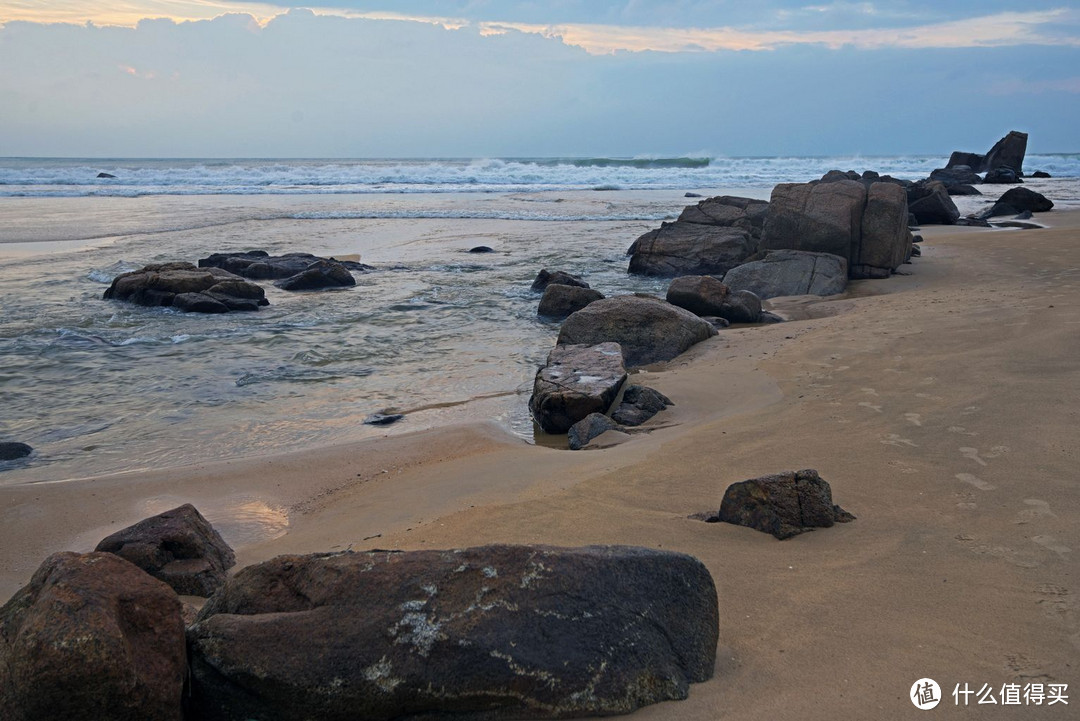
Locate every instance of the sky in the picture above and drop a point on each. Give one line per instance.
(535, 78)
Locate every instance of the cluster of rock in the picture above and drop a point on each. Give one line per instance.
(495, 631)
(292, 271)
(1007, 153)
(563, 293)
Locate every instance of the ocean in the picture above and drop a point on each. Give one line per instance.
(435, 332)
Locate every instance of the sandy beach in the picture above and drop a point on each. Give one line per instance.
(941, 405)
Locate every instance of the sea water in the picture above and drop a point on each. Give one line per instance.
(434, 331)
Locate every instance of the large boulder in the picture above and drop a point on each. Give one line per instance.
(576, 380)
(699, 294)
(884, 241)
(207, 290)
(742, 306)
(260, 265)
(1024, 199)
(784, 504)
(479, 633)
(728, 211)
(823, 217)
(179, 547)
(690, 249)
(561, 300)
(546, 277)
(319, 275)
(929, 202)
(91, 637)
(648, 330)
(790, 272)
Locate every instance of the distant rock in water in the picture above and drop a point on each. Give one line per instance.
(482, 249)
(784, 504)
(12, 450)
(259, 265)
(692, 195)
(546, 277)
(320, 275)
(383, 419)
(105, 175)
(182, 285)
(1008, 152)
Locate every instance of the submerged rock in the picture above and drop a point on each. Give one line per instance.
(576, 380)
(490, 632)
(319, 275)
(784, 504)
(188, 288)
(179, 547)
(545, 278)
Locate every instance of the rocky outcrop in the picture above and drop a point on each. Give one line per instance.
(260, 265)
(320, 275)
(785, 504)
(648, 330)
(728, 211)
(91, 637)
(884, 242)
(791, 272)
(929, 202)
(204, 290)
(13, 450)
(638, 405)
(1008, 152)
(545, 278)
(1024, 199)
(491, 632)
(179, 547)
(561, 300)
(588, 428)
(821, 217)
(576, 380)
(690, 249)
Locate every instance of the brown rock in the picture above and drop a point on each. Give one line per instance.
(784, 504)
(576, 381)
(699, 294)
(690, 249)
(818, 217)
(561, 300)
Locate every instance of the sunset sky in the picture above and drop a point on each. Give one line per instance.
(475, 78)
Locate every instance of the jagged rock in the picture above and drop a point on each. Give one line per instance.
(784, 504)
(639, 404)
(91, 637)
(545, 278)
(929, 202)
(702, 295)
(956, 175)
(1025, 199)
(1002, 176)
(884, 242)
(821, 217)
(648, 330)
(769, 317)
(561, 300)
(491, 632)
(206, 290)
(576, 380)
(319, 275)
(179, 547)
(12, 450)
(684, 248)
(260, 265)
(587, 429)
(791, 272)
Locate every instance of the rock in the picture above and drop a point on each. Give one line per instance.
(1041, 174)
(784, 504)
(1025, 199)
(929, 202)
(716, 321)
(742, 306)
(491, 632)
(684, 248)
(1002, 176)
(769, 317)
(790, 272)
(12, 450)
(1008, 153)
(915, 251)
(648, 330)
(956, 175)
(105, 175)
(561, 300)
(884, 242)
(576, 380)
(1026, 215)
(728, 211)
(545, 278)
(962, 190)
(179, 547)
(639, 404)
(912, 221)
(588, 428)
(482, 249)
(692, 195)
(260, 265)
(821, 217)
(975, 162)
(383, 419)
(91, 637)
(319, 275)
(700, 294)
(188, 288)
(973, 222)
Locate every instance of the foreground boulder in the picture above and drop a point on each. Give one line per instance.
(690, 249)
(784, 504)
(561, 300)
(179, 547)
(479, 633)
(576, 380)
(188, 288)
(91, 637)
(648, 330)
(545, 278)
(791, 272)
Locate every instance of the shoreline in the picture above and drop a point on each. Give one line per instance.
(938, 405)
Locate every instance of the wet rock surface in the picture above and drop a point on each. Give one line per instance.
(576, 380)
(188, 288)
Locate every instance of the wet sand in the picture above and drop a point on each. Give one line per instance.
(941, 406)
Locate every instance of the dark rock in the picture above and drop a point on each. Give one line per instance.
(561, 300)
(639, 404)
(700, 294)
(916, 239)
(790, 272)
(915, 251)
(482, 249)
(105, 175)
(1026, 215)
(998, 209)
(258, 264)
(685, 248)
(587, 429)
(493, 632)
(1002, 176)
(962, 190)
(545, 278)
(973, 222)
(769, 317)
(929, 202)
(576, 380)
(884, 242)
(956, 175)
(179, 547)
(975, 162)
(716, 321)
(204, 290)
(784, 504)
(91, 637)
(1008, 153)
(12, 450)
(383, 419)
(741, 306)
(912, 221)
(1026, 199)
(692, 195)
(319, 275)
(821, 217)
(1041, 174)
(649, 330)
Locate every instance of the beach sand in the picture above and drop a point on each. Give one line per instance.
(941, 405)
